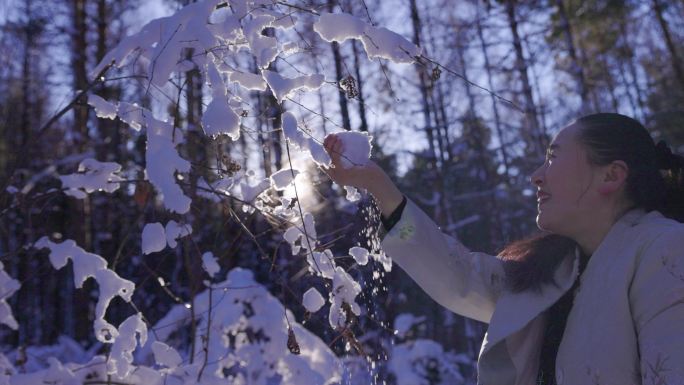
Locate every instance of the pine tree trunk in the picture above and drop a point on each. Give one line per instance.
(423, 85)
(531, 121)
(495, 106)
(78, 65)
(438, 106)
(339, 74)
(359, 86)
(490, 180)
(444, 124)
(628, 92)
(577, 70)
(632, 70)
(674, 56)
(610, 82)
(78, 211)
(540, 107)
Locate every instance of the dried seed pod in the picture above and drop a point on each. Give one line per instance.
(292, 343)
(436, 73)
(348, 85)
(234, 167)
(229, 165)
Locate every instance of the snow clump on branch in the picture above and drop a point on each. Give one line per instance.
(88, 265)
(8, 286)
(377, 41)
(92, 176)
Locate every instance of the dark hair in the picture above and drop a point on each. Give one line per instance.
(608, 137)
(531, 262)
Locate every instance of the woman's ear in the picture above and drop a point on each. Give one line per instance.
(614, 177)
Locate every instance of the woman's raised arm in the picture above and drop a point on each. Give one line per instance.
(467, 283)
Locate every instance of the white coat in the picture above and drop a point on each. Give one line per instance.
(626, 325)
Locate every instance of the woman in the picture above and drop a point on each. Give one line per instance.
(598, 298)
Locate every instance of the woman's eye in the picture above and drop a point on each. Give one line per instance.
(549, 156)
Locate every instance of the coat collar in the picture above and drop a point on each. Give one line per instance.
(515, 310)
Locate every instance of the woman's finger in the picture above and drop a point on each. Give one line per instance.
(335, 152)
(338, 148)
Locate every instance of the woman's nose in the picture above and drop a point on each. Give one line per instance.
(536, 177)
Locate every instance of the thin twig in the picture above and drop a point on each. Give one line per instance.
(311, 11)
(465, 79)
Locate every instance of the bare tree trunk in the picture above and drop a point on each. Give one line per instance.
(447, 152)
(628, 92)
(481, 144)
(339, 74)
(674, 57)
(589, 78)
(495, 107)
(541, 107)
(106, 150)
(632, 70)
(321, 99)
(272, 113)
(78, 211)
(263, 128)
(576, 67)
(264, 140)
(26, 79)
(321, 104)
(439, 108)
(424, 92)
(532, 123)
(199, 151)
(78, 64)
(610, 82)
(359, 85)
(276, 134)
(344, 106)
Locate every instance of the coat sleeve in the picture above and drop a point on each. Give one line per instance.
(657, 299)
(467, 283)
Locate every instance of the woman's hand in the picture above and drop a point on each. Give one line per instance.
(368, 177)
(355, 176)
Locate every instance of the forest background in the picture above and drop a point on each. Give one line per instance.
(460, 133)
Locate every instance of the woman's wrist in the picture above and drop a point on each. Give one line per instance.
(386, 193)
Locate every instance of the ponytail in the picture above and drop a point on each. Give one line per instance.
(672, 205)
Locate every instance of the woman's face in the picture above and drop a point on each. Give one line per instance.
(565, 197)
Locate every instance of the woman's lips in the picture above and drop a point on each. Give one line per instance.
(542, 197)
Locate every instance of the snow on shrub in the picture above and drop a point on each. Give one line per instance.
(424, 362)
(8, 286)
(404, 322)
(209, 264)
(92, 176)
(87, 265)
(283, 178)
(359, 254)
(246, 341)
(243, 334)
(313, 300)
(244, 337)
